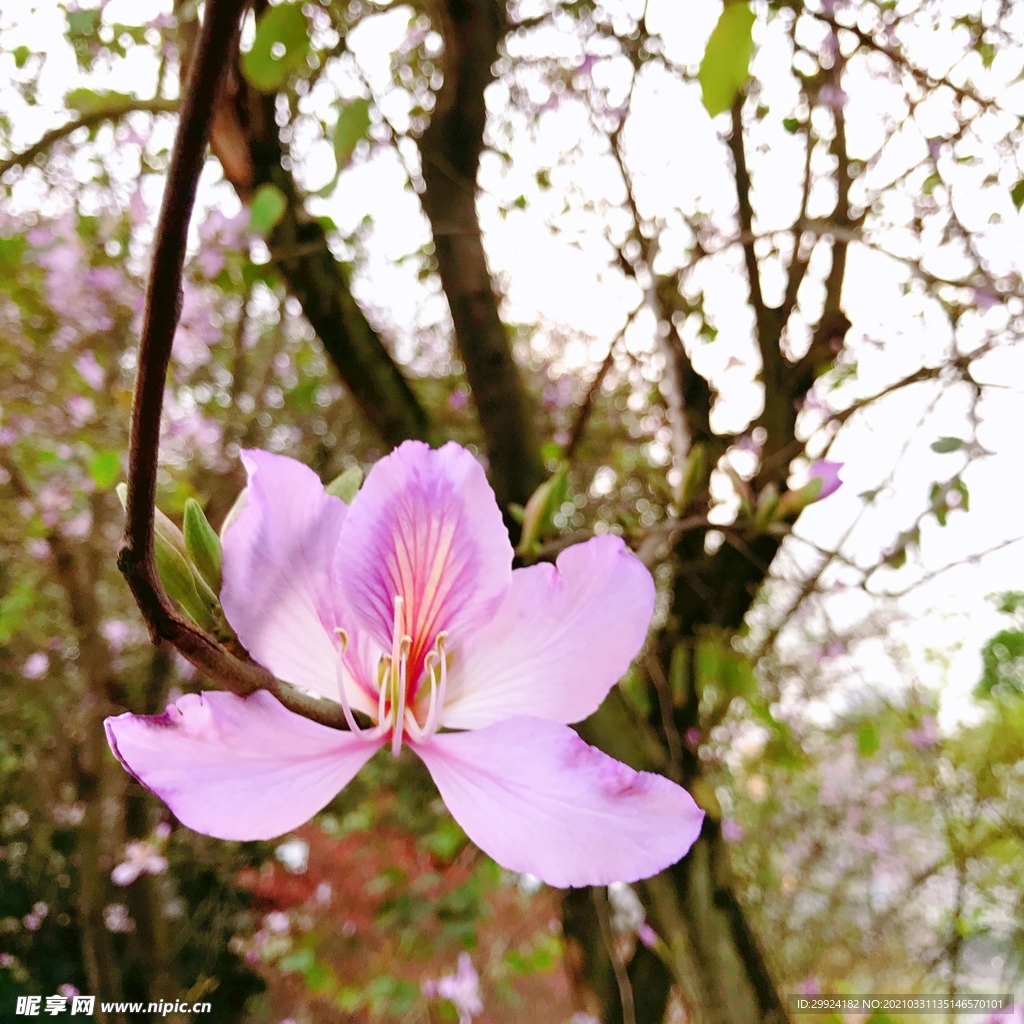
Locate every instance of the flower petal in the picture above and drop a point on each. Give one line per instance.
(561, 639)
(532, 795)
(425, 527)
(278, 594)
(237, 767)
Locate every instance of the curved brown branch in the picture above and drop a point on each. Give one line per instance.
(160, 318)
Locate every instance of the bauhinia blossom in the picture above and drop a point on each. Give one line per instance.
(404, 608)
(828, 473)
(461, 988)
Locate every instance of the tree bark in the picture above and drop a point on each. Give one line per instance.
(451, 149)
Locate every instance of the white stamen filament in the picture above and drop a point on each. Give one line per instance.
(393, 683)
(342, 689)
(400, 646)
(437, 690)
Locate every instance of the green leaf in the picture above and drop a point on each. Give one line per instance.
(867, 740)
(21, 55)
(267, 208)
(11, 252)
(1017, 194)
(203, 544)
(930, 184)
(791, 124)
(945, 445)
(105, 468)
(15, 606)
(300, 960)
(281, 45)
(90, 101)
(726, 63)
(353, 121)
(346, 486)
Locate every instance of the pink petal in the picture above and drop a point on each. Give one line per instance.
(425, 527)
(532, 795)
(237, 767)
(562, 638)
(278, 594)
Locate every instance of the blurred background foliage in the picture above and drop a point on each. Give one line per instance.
(851, 845)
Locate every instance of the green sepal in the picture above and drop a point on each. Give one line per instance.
(203, 544)
(792, 503)
(346, 486)
(179, 581)
(541, 508)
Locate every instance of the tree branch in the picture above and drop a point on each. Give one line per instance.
(88, 120)
(451, 148)
(160, 318)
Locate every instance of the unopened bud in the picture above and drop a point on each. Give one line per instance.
(179, 581)
(541, 508)
(346, 486)
(203, 544)
(234, 512)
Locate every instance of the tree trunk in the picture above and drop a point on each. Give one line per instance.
(451, 148)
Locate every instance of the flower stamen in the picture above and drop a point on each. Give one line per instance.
(437, 689)
(401, 645)
(342, 689)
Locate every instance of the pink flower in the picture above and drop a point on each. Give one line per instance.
(405, 609)
(117, 633)
(140, 858)
(732, 831)
(828, 473)
(90, 370)
(925, 736)
(36, 666)
(80, 409)
(1014, 1016)
(647, 935)
(462, 988)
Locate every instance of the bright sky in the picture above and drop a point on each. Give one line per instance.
(677, 155)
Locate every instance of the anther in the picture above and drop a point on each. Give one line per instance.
(342, 690)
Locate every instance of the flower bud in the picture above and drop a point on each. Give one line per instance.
(541, 508)
(203, 544)
(346, 486)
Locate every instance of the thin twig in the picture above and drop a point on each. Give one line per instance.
(600, 899)
(668, 721)
(88, 120)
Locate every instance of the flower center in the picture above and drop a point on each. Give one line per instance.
(393, 683)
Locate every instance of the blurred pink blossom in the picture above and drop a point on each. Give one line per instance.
(38, 548)
(117, 919)
(79, 526)
(462, 988)
(828, 473)
(985, 299)
(732, 831)
(116, 632)
(140, 858)
(90, 370)
(80, 409)
(926, 735)
(36, 666)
